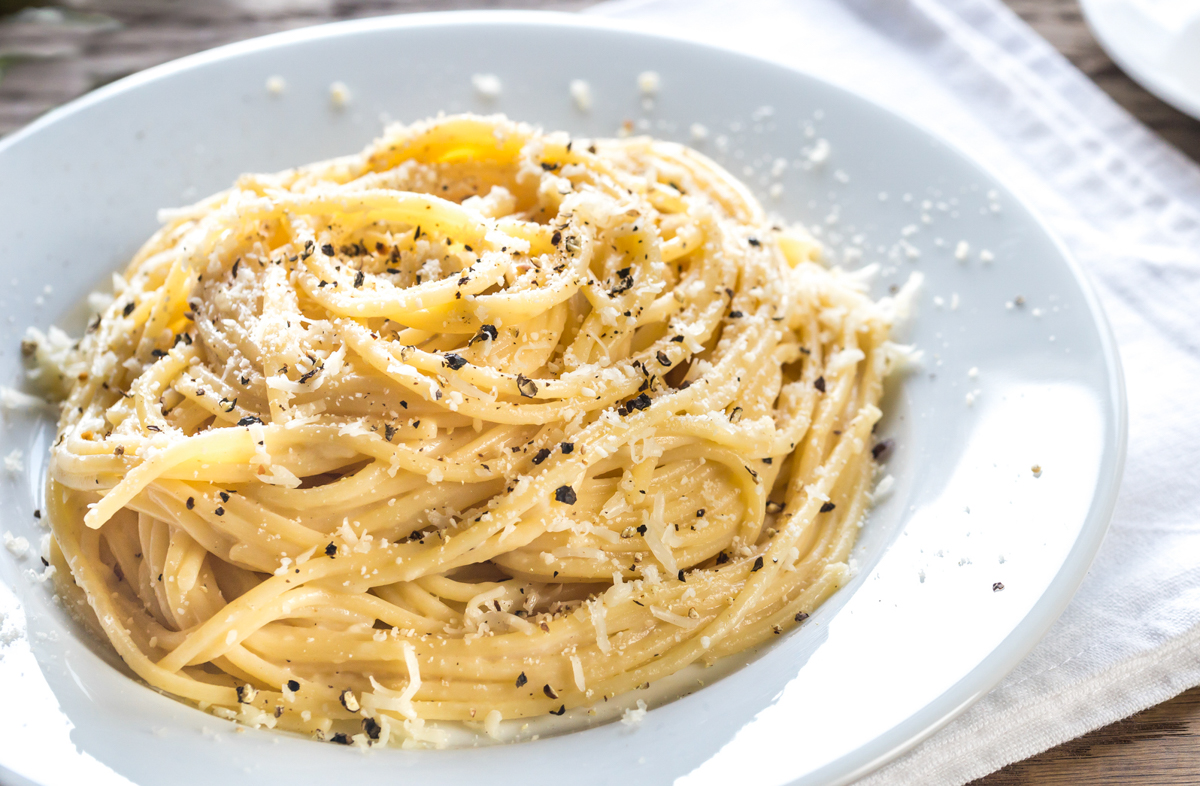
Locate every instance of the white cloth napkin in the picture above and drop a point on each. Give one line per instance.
(1128, 205)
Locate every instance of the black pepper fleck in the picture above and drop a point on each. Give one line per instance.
(486, 333)
(639, 402)
(526, 386)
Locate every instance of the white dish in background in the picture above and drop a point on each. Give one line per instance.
(1157, 42)
(919, 633)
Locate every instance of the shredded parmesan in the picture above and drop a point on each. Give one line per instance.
(633, 716)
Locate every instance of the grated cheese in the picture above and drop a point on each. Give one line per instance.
(486, 85)
(633, 716)
(18, 546)
(648, 82)
(339, 95)
(491, 724)
(599, 615)
(581, 94)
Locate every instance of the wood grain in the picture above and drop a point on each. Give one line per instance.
(48, 57)
(1157, 747)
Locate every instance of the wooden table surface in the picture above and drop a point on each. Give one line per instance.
(48, 57)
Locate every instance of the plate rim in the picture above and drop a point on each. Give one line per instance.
(1033, 626)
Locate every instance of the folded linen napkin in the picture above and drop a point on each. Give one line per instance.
(1128, 206)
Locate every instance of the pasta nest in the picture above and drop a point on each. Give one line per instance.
(479, 424)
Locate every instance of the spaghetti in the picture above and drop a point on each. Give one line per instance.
(479, 424)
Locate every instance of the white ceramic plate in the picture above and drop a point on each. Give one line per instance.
(1157, 42)
(921, 631)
